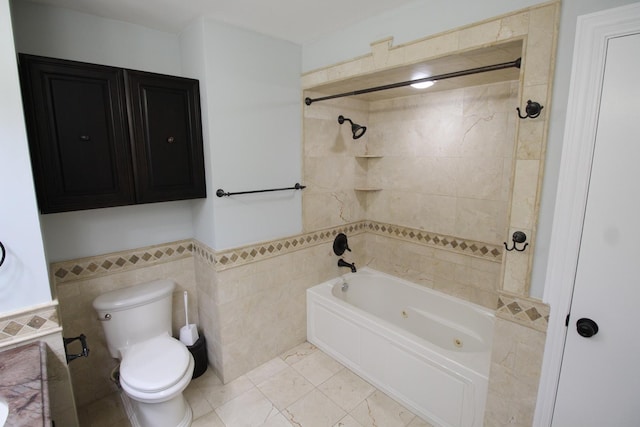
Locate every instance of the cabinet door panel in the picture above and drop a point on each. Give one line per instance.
(165, 123)
(77, 133)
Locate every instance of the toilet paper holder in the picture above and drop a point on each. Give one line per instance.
(85, 349)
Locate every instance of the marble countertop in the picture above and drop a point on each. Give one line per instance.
(23, 385)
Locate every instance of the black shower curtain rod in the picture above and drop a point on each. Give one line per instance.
(502, 66)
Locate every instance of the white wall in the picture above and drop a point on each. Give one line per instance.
(62, 33)
(407, 23)
(194, 65)
(24, 279)
(253, 124)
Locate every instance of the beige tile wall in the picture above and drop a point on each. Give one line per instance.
(467, 277)
(447, 161)
(516, 362)
(330, 170)
(256, 310)
(445, 166)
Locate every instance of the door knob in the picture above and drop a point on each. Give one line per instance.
(586, 327)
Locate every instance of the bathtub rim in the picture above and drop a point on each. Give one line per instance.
(473, 363)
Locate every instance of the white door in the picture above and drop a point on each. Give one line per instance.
(600, 375)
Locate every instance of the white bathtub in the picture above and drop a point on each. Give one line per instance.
(428, 350)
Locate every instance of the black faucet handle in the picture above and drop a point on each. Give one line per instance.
(340, 244)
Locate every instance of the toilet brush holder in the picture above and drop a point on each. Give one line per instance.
(189, 332)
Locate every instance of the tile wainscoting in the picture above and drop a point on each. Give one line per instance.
(251, 300)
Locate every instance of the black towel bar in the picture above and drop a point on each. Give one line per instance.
(222, 193)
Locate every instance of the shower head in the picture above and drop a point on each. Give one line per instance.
(356, 129)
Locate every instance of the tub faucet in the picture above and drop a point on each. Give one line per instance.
(343, 263)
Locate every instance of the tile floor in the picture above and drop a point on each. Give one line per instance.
(303, 387)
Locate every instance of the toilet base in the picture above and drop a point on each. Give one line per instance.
(175, 412)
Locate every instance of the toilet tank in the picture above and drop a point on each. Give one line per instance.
(135, 314)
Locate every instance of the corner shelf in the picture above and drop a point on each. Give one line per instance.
(367, 157)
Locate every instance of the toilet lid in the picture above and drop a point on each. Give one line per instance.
(155, 364)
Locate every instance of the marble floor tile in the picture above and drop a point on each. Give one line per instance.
(250, 409)
(314, 410)
(208, 420)
(285, 388)
(278, 420)
(106, 412)
(218, 394)
(298, 352)
(380, 410)
(198, 402)
(317, 367)
(266, 370)
(303, 387)
(346, 389)
(347, 421)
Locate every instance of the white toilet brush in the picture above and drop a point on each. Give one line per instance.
(189, 332)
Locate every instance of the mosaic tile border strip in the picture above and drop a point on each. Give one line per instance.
(84, 268)
(442, 241)
(524, 311)
(19, 326)
(252, 253)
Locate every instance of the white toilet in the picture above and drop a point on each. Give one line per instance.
(155, 368)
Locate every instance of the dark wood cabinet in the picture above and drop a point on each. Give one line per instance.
(165, 120)
(103, 136)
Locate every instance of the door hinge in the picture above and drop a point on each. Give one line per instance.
(566, 321)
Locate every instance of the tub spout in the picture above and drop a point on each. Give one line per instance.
(343, 263)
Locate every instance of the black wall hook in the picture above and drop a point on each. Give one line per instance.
(533, 110)
(518, 237)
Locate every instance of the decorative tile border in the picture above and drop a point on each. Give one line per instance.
(244, 255)
(456, 244)
(524, 311)
(252, 253)
(84, 268)
(27, 324)
(116, 262)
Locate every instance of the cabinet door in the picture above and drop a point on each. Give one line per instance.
(165, 125)
(78, 137)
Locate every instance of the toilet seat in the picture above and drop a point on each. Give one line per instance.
(156, 369)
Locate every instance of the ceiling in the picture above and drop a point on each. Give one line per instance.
(298, 21)
(506, 52)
